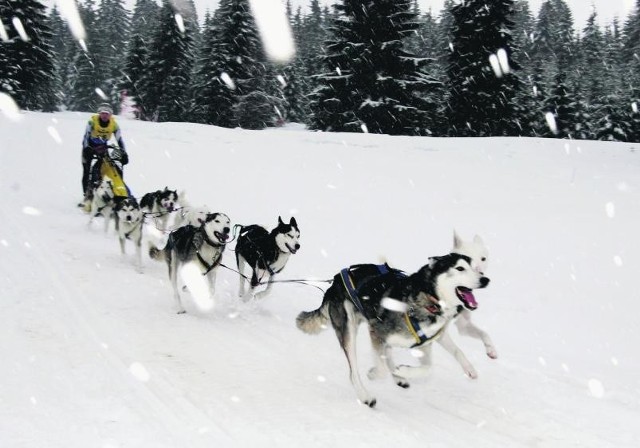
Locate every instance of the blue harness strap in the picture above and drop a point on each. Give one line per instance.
(353, 290)
(413, 325)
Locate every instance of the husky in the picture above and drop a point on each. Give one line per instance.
(129, 226)
(477, 251)
(407, 311)
(160, 204)
(202, 245)
(102, 202)
(188, 214)
(265, 252)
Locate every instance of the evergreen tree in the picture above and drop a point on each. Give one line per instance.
(295, 88)
(553, 43)
(523, 32)
(28, 58)
(144, 20)
(111, 31)
(135, 66)
(560, 104)
(236, 62)
(85, 76)
(372, 83)
(592, 45)
(531, 98)
(63, 47)
(632, 34)
(614, 124)
(482, 101)
(164, 86)
(8, 66)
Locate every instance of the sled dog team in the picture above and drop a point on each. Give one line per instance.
(400, 310)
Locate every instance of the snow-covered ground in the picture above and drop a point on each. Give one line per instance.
(94, 355)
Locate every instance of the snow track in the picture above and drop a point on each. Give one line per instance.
(93, 353)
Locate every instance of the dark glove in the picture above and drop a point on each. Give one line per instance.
(124, 157)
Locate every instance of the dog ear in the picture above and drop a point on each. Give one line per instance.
(280, 222)
(457, 241)
(293, 223)
(478, 240)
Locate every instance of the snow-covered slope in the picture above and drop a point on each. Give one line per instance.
(94, 354)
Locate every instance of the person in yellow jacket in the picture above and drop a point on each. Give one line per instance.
(100, 128)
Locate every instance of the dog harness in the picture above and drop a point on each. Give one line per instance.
(216, 259)
(413, 325)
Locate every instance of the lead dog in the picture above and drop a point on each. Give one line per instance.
(399, 310)
(265, 252)
(477, 251)
(102, 203)
(202, 245)
(129, 224)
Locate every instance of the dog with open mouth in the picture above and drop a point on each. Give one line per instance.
(265, 252)
(129, 225)
(202, 245)
(400, 310)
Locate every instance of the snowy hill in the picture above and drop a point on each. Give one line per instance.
(95, 355)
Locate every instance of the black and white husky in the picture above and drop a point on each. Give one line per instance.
(479, 254)
(408, 311)
(265, 252)
(129, 224)
(102, 202)
(159, 205)
(200, 245)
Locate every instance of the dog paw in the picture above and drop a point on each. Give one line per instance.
(371, 402)
(471, 373)
(492, 353)
(403, 383)
(376, 373)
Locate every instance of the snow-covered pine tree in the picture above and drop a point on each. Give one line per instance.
(111, 34)
(144, 20)
(554, 37)
(582, 121)
(311, 41)
(631, 34)
(135, 65)
(29, 56)
(85, 77)
(295, 86)
(63, 45)
(8, 66)
(482, 99)
(531, 99)
(631, 54)
(560, 104)
(371, 83)
(592, 62)
(524, 25)
(613, 123)
(164, 86)
(206, 80)
(236, 62)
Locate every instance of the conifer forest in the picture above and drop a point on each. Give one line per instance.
(476, 68)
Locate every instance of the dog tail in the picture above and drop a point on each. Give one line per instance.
(155, 253)
(313, 322)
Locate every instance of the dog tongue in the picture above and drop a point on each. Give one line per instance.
(468, 297)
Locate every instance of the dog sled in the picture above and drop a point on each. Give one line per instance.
(111, 168)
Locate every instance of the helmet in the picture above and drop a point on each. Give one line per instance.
(105, 107)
